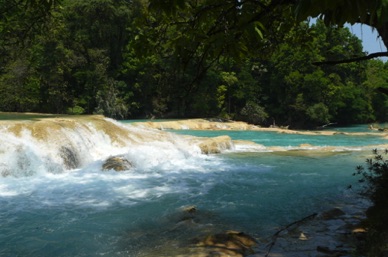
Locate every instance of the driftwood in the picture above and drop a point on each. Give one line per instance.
(276, 235)
(328, 124)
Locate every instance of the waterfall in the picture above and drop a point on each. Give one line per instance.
(55, 145)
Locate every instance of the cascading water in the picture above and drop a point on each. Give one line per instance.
(59, 145)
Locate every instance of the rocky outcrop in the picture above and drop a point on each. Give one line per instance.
(117, 163)
(198, 124)
(215, 144)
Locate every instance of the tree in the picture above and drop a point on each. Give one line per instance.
(300, 94)
(109, 103)
(238, 28)
(373, 13)
(254, 113)
(377, 83)
(22, 19)
(178, 58)
(19, 89)
(212, 28)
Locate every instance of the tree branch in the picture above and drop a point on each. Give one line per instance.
(356, 59)
(276, 235)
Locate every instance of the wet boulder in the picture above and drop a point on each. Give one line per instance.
(191, 209)
(69, 157)
(188, 217)
(117, 163)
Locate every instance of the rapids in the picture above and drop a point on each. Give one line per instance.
(57, 145)
(56, 200)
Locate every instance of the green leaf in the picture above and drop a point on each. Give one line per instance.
(259, 32)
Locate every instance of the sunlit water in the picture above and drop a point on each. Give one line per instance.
(48, 210)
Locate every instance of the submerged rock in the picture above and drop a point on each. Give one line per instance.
(117, 163)
(230, 243)
(334, 213)
(201, 238)
(192, 219)
(190, 209)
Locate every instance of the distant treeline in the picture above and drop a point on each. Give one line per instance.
(86, 57)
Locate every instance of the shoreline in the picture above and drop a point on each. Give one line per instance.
(217, 144)
(203, 124)
(192, 124)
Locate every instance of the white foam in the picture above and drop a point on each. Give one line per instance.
(90, 187)
(34, 171)
(80, 145)
(250, 148)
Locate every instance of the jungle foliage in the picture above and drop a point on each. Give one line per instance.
(137, 59)
(375, 180)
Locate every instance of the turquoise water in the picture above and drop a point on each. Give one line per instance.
(281, 139)
(86, 212)
(359, 128)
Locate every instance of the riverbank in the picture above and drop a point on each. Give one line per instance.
(212, 124)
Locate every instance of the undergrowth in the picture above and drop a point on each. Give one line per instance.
(374, 178)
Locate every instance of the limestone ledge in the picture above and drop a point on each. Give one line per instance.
(214, 145)
(197, 124)
(222, 143)
(55, 131)
(203, 124)
(58, 131)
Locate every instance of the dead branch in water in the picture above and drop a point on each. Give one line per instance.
(276, 235)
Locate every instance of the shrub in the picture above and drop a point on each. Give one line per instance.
(254, 113)
(76, 110)
(375, 179)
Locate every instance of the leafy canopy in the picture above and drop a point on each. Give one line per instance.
(240, 28)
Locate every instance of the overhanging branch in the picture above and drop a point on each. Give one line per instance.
(355, 59)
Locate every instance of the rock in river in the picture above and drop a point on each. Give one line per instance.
(230, 243)
(117, 163)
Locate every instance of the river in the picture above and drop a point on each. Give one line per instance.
(56, 201)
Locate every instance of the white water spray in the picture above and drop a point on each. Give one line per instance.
(58, 145)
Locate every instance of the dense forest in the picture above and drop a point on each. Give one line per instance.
(111, 57)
